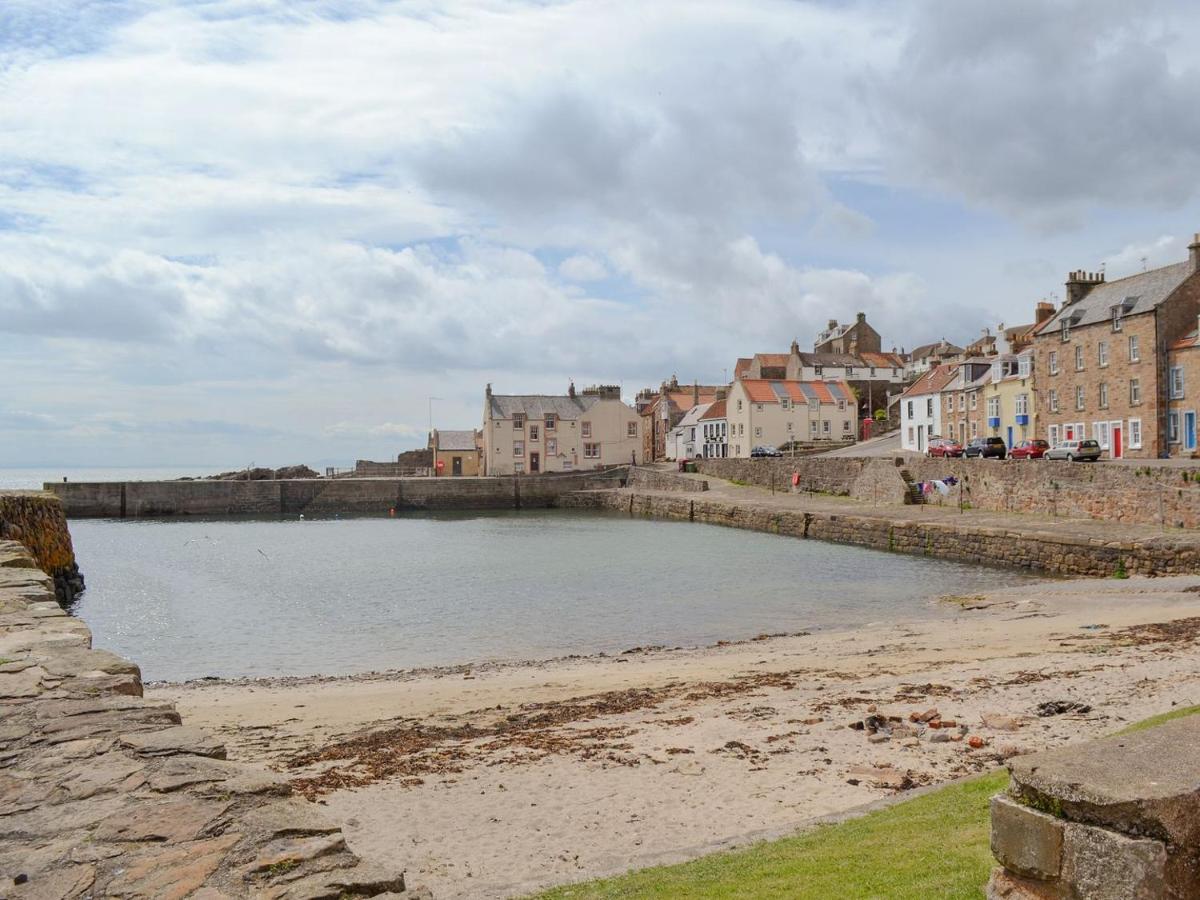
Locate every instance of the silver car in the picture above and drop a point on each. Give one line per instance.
(1075, 451)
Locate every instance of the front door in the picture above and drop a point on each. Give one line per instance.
(1010, 437)
(456, 465)
(534, 461)
(1116, 450)
(1189, 430)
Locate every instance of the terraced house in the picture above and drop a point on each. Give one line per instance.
(762, 412)
(1102, 360)
(528, 434)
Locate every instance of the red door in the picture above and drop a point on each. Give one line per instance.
(1116, 442)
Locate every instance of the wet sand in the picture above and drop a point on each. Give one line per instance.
(495, 781)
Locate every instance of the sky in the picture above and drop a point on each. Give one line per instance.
(238, 231)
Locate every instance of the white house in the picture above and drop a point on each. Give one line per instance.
(714, 430)
(921, 408)
(685, 440)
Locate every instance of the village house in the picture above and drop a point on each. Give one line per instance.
(921, 408)
(1008, 398)
(684, 440)
(456, 452)
(765, 412)
(930, 356)
(1102, 359)
(661, 410)
(853, 338)
(964, 414)
(714, 431)
(1183, 391)
(527, 434)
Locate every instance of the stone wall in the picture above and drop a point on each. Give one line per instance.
(1042, 551)
(105, 794)
(1118, 817)
(1167, 496)
(36, 520)
(657, 480)
(318, 496)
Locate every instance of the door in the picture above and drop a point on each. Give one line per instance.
(535, 460)
(1189, 430)
(1009, 442)
(456, 465)
(1116, 446)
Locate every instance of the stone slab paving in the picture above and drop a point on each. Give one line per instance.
(105, 794)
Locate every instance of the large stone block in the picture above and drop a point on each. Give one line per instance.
(1026, 841)
(1099, 864)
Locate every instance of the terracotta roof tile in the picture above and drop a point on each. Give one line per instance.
(715, 411)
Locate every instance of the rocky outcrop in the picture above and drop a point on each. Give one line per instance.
(105, 794)
(260, 473)
(36, 520)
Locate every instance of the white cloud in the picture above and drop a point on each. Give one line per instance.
(582, 268)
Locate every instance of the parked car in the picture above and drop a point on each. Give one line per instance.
(1029, 450)
(944, 447)
(1075, 451)
(986, 448)
(757, 452)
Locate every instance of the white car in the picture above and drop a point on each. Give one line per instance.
(1075, 451)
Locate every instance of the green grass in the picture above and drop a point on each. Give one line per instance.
(934, 846)
(931, 846)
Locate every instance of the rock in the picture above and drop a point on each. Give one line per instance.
(171, 821)
(1001, 722)
(878, 738)
(1059, 707)
(881, 776)
(64, 883)
(170, 741)
(939, 737)
(976, 742)
(173, 871)
(928, 716)
(281, 854)
(1026, 841)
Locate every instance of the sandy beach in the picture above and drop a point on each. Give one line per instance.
(497, 780)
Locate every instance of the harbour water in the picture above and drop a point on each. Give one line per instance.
(230, 598)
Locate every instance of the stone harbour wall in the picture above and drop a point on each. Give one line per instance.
(658, 480)
(106, 794)
(1167, 496)
(36, 520)
(318, 496)
(1041, 551)
(1113, 818)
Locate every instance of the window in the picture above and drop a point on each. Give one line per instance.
(1135, 434)
(518, 468)
(1079, 396)
(758, 406)
(910, 436)
(825, 426)
(693, 433)
(631, 429)
(849, 370)
(1078, 357)
(1176, 382)
(1052, 436)
(758, 431)
(518, 421)
(551, 446)
(1022, 404)
(1052, 399)
(783, 402)
(962, 402)
(872, 371)
(928, 407)
(1100, 434)
(1066, 330)
(1103, 395)
(846, 425)
(812, 426)
(789, 427)
(739, 406)
(533, 432)
(1053, 362)
(974, 400)
(993, 407)
(842, 406)
(1135, 391)
(1116, 319)
(817, 371)
(1135, 352)
(949, 401)
(591, 451)
(1173, 427)
(741, 428)
(585, 429)
(974, 429)
(1102, 354)
(518, 448)
(1024, 365)
(550, 422)
(910, 409)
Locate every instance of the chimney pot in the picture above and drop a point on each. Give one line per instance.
(1194, 253)
(832, 324)
(862, 317)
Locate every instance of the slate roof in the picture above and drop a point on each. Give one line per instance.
(693, 415)
(1139, 293)
(456, 440)
(942, 348)
(538, 406)
(761, 390)
(830, 359)
(933, 381)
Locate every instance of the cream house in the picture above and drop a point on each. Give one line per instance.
(528, 434)
(762, 412)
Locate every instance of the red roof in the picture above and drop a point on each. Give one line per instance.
(766, 390)
(883, 360)
(773, 359)
(1191, 340)
(715, 411)
(741, 367)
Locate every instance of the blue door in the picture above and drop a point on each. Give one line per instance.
(1009, 437)
(1189, 430)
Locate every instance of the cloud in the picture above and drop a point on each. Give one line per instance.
(582, 268)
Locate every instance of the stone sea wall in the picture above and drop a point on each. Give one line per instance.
(318, 496)
(105, 794)
(1167, 496)
(658, 480)
(1041, 551)
(36, 520)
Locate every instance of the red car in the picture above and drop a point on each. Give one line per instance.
(1029, 450)
(944, 447)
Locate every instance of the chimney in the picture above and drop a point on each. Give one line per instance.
(571, 390)
(1044, 311)
(832, 324)
(1080, 284)
(862, 318)
(795, 347)
(488, 393)
(1194, 253)
(720, 395)
(695, 393)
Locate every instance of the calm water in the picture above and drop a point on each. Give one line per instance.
(252, 598)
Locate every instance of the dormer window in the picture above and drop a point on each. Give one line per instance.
(1066, 330)
(1116, 320)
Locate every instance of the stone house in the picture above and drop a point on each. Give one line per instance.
(930, 356)
(661, 410)
(714, 431)
(1102, 359)
(854, 338)
(921, 408)
(1183, 394)
(456, 452)
(765, 412)
(528, 434)
(964, 413)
